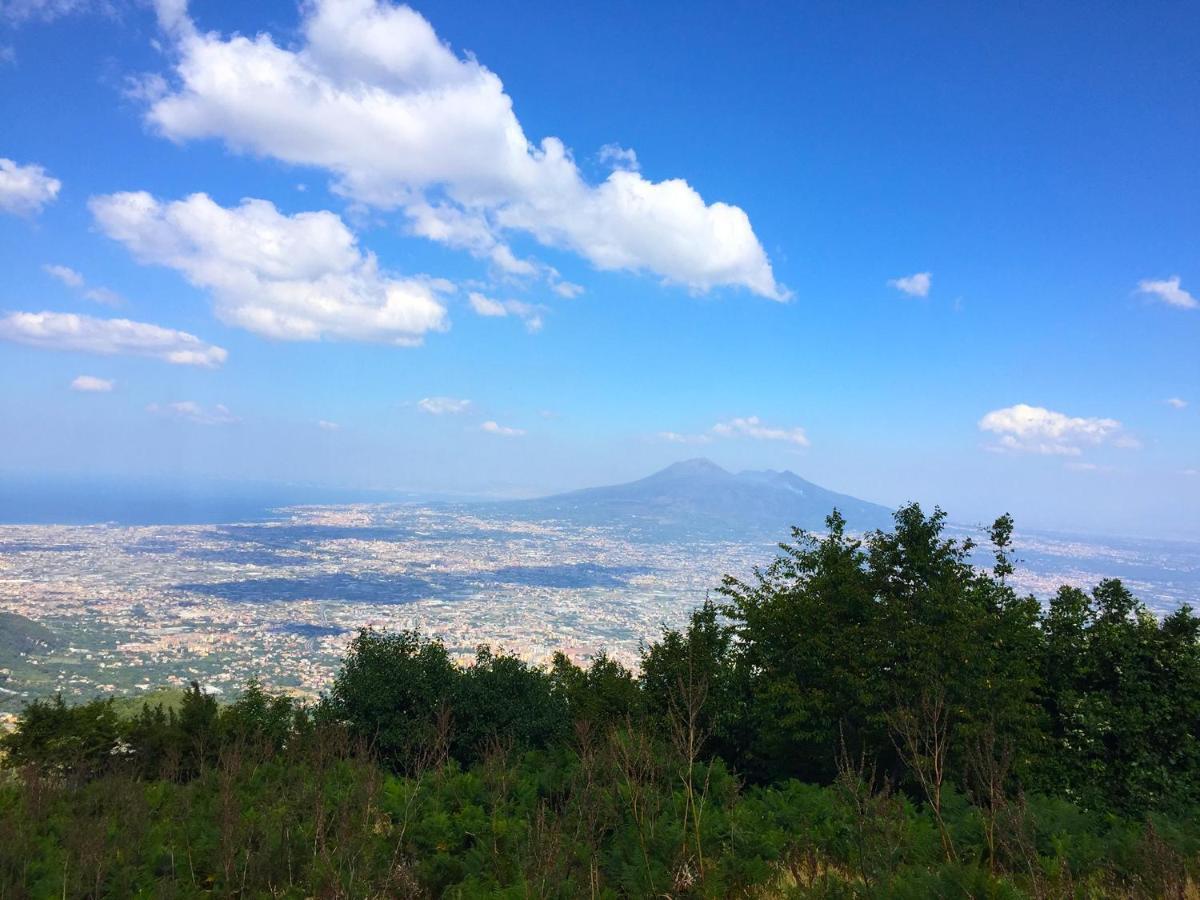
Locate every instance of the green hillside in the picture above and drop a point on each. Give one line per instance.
(19, 635)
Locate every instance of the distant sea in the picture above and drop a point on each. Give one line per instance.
(40, 500)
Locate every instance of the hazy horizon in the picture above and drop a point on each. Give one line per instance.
(85, 499)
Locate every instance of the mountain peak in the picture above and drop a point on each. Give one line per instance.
(696, 498)
(779, 476)
(690, 468)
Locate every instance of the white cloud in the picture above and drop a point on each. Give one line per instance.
(619, 157)
(25, 190)
(917, 285)
(328, 426)
(191, 411)
(372, 95)
(91, 384)
(145, 87)
(1176, 402)
(740, 427)
(17, 11)
(298, 277)
(530, 314)
(1034, 429)
(104, 295)
(441, 406)
(502, 430)
(1169, 292)
(752, 427)
(466, 230)
(65, 274)
(486, 306)
(1078, 466)
(567, 289)
(67, 331)
(71, 278)
(675, 437)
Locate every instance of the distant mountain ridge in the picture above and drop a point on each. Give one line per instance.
(696, 497)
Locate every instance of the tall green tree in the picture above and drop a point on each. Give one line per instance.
(1122, 694)
(808, 648)
(694, 671)
(394, 690)
(502, 698)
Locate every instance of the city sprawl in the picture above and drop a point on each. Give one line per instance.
(139, 608)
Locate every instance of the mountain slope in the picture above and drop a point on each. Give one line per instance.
(697, 498)
(19, 635)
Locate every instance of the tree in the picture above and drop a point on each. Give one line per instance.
(262, 719)
(604, 694)
(77, 741)
(682, 666)
(807, 652)
(502, 697)
(390, 690)
(1122, 695)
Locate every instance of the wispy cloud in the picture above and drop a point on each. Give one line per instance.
(753, 427)
(71, 278)
(109, 337)
(65, 274)
(566, 289)
(1169, 291)
(104, 296)
(618, 157)
(191, 411)
(502, 430)
(1078, 466)
(675, 437)
(740, 427)
(527, 312)
(1176, 402)
(18, 11)
(90, 384)
(443, 406)
(916, 285)
(325, 425)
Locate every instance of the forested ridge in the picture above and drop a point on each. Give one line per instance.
(864, 717)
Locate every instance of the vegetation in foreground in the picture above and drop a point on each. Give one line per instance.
(869, 718)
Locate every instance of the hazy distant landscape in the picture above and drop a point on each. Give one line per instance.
(129, 607)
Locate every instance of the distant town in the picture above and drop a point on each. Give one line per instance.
(131, 609)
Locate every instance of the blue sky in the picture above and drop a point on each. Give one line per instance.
(720, 252)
